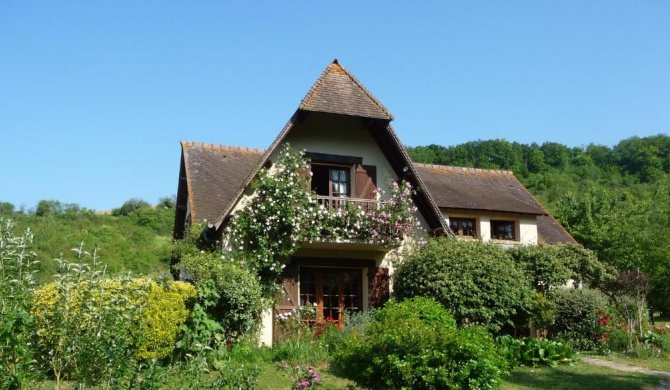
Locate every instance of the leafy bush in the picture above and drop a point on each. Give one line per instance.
(478, 282)
(152, 312)
(415, 344)
(551, 266)
(239, 301)
(92, 328)
(536, 352)
(577, 317)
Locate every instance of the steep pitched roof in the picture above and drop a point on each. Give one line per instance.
(214, 174)
(338, 92)
(478, 189)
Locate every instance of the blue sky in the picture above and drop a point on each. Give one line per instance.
(95, 96)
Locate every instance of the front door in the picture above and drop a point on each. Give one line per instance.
(333, 290)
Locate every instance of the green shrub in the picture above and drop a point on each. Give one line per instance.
(93, 329)
(415, 344)
(478, 282)
(17, 269)
(239, 300)
(617, 340)
(154, 312)
(576, 319)
(536, 352)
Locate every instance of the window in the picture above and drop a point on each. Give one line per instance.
(503, 230)
(334, 291)
(464, 227)
(329, 180)
(339, 182)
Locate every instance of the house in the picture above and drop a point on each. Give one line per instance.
(347, 134)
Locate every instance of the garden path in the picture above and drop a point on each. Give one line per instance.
(665, 385)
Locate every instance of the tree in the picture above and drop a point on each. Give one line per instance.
(6, 209)
(130, 206)
(626, 233)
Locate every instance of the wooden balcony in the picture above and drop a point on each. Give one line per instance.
(337, 202)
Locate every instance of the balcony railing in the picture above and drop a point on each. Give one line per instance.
(337, 202)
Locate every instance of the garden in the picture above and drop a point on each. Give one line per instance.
(461, 315)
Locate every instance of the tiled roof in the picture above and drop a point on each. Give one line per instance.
(477, 189)
(214, 175)
(338, 92)
(549, 231)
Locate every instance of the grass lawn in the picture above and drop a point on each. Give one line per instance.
(581, 376)
(660, 321)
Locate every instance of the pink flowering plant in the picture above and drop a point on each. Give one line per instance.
(283, 213)
(305, 377)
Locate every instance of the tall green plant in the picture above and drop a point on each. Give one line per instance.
(85, 325)
(17, 269)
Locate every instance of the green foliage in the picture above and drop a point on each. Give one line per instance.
(576, 317)
(201, 331)
(415, 344)
(478, 282)
(79, 334)
(17, 270)
(126, 243)
(237, 291)
(55, 208)
(6, 209)
(536, 352)
(94, 329)
(130, 206)
(551, 266)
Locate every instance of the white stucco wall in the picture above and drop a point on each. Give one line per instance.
(341, 135)
(525, 226)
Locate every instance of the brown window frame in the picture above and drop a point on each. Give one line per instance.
(329, 168)
(460, 231)
(497, 223)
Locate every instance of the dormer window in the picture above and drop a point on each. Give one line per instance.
(503, 230)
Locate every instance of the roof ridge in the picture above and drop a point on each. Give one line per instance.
(467, 169)
(222, 147)
(365, 90)
(333, 67)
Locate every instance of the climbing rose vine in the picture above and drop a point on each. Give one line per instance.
(283, 212)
